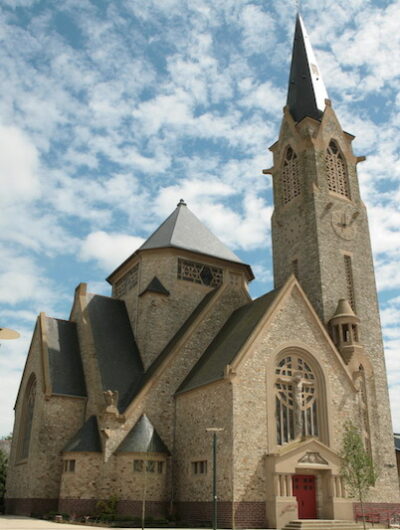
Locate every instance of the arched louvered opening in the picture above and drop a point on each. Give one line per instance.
(290, 176)
(336, 170)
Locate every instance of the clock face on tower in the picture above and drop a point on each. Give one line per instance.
(344, 222)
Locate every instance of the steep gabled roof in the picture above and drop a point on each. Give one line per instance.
(65, 364)
(306, 91)
(142, 438)
(87, 439)
(228, 343)
(182, 229)
(117, 354)
(169, 348)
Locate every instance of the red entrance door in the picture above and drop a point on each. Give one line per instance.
(304, 491)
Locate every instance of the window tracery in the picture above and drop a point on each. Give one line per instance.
(201, 273)
(296, 399)
(27, 419)
(127, 282)
(290, 176)
(336, 170)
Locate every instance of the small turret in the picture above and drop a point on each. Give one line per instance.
(344, 327)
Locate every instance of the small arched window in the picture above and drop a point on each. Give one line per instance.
(296, 399)
(27, 419)
(290, 176)
(336, 170)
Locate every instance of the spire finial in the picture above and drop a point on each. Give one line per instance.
(181, 203)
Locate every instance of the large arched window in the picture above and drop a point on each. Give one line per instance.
(296, 399)
(336, 170)
(27, 418)
(290, 176)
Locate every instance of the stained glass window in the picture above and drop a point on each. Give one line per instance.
(295, 400)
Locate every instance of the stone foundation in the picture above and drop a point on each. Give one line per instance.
(237, 515)
(30, 506)
(155, 509)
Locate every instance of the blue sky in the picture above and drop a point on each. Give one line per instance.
(111, 111)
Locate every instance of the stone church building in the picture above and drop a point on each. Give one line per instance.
(116, 400)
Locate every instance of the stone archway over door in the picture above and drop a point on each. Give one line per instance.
(304, 489)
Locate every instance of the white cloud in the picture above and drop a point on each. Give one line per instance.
(12, 361)
(109, 249)
(19, 166)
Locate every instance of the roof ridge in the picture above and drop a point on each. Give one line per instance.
(237, 317)
(170, 346)
(61, 319)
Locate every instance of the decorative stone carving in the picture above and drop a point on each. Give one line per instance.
(312, 458)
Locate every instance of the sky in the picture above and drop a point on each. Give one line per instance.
(111, 111)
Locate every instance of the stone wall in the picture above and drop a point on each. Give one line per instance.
(156, 318)
(38, 477)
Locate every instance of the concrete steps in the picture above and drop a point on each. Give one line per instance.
(321, 524)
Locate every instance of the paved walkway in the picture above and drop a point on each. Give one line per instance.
(16, 522)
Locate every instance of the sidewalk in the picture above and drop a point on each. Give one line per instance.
(17, 522)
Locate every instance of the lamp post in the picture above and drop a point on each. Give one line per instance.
(6, 333)
(214, 430)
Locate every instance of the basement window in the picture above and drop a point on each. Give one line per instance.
(138, 466)
(199, 467)
(152, 466)
(69, 466)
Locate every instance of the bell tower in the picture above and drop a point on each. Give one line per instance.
(319, 224)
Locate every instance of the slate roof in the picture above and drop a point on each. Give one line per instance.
(155, 286)
(139, 384)
(65, 364)
(87, 439)
(228, 343)
(182, 229)
(143, 438)
(117, 354)
(306, 91)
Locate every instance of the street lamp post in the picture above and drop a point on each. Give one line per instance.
(214, 430)
(6, 333)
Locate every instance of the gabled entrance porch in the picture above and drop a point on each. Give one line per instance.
(304, 482)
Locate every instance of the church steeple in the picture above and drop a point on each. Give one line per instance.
(306, 91)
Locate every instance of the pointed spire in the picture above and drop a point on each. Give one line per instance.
(306, 92)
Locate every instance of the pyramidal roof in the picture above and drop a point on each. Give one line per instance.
(182, 229)
(306, 92)
(142, 438)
